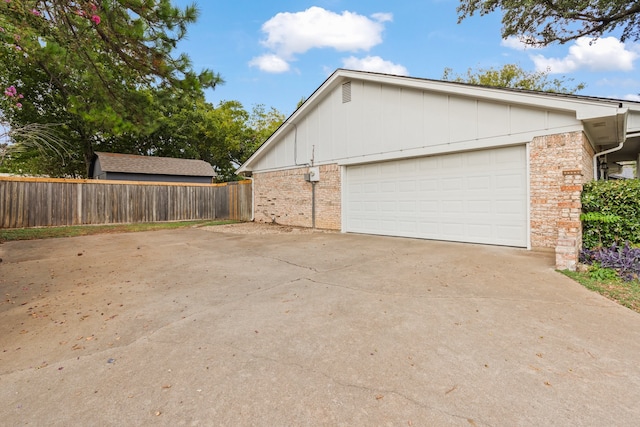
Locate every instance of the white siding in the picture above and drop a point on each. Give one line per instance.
(389, 121)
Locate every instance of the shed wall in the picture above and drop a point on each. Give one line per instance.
(122, 176)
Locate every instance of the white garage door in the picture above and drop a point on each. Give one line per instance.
(477, 197)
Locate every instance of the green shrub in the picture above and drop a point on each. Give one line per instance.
(611, 213)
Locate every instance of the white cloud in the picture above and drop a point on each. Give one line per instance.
(604, 54)
(290, 34)
(382, 17)
(374, 64)
(632, 97)
(517, 43)
(270, 63)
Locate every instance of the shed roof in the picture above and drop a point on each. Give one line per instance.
(152, 165)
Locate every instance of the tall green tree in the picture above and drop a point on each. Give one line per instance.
(229, 134)
(94, 68)
(541, 22)
(513, 76)
(224, 135)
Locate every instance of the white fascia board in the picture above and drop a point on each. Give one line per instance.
(595, 112)
(536, 99)
(447, 148)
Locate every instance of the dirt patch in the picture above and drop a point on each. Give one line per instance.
(263, 228)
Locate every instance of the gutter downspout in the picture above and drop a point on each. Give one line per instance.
(611, 150)
(602, 153)
(253, 198)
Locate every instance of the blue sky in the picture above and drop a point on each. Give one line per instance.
(275, 53)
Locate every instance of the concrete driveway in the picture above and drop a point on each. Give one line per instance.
(194, 327)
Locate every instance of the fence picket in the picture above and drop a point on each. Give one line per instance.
(40, 202)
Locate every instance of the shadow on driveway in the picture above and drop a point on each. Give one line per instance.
(193, 327)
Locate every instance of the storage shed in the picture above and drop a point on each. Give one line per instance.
(129, 167)
(401, 156)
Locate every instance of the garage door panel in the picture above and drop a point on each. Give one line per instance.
(387, 206)
(479, 182)
(507, 182)
(408, 206)
(427, 206)
(407, 226)
(478, 159)
(509, 207)
(370, 206)
(451, 162)
(452, 229)
(452, 184)
(478, 231)
(479, 207)
(452, 207)
(408, 187)
(477, 197)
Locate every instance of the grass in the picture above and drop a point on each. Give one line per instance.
(7, 235)
(615, 289)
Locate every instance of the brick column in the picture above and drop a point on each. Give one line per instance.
(569, 225)
(559, 166)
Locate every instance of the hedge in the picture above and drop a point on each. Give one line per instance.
(611, 213)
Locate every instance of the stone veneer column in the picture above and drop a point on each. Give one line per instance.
(559, 166)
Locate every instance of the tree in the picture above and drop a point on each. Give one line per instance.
(513, 76)
(229, 134)
(262, 123)
(41, 138)
(94, 68)
(541, 22)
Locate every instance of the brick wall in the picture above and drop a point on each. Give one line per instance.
(559, 166)
(285, 197)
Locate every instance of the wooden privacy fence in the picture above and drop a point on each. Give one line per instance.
(38, 202)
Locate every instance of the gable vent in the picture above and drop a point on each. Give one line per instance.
(346, 92)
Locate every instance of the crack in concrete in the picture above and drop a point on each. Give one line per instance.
(344, 384)
(292, 263)
(453, 297)
(315, 270)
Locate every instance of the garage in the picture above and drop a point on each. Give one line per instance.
(410, 157)
(477, 197)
